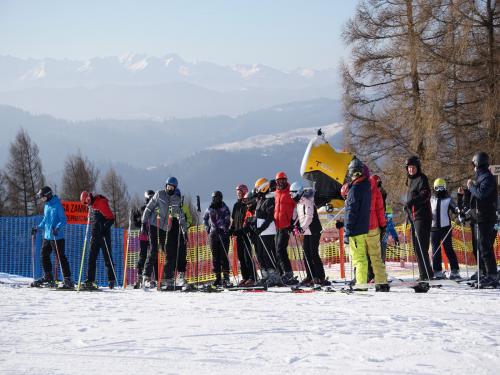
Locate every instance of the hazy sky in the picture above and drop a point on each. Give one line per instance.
(280, 33)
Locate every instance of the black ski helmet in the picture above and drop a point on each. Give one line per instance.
(148, 194)
(413, 160)
(45, 192)
(355, 168)
(217, 194)
(481, 159)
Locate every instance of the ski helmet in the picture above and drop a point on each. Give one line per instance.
(247, 197)
(296, 190)
(377, 180)
(344, 190)
(148, 194)
(243, 188)
(439, 184)
(172, 181)
(262, 185)
(217, 194)
(413, 160)
(85, 197)
(45, 192)
(481, 159)
(281, 175)
(355, 168)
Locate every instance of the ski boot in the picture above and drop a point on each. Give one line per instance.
(181, 279)
(474, 276)
(421, 287)
(88, 285)
(455, 275)
(138, 283)
(486, 282)
(439, 275)
(306, 282)
(250, 283)
(226, 282)
(263, 280)
(382, 288)
(243, 282)
(167, 284)
(218, 281)
(67, 284)
(322, 282)
(274, 278)
(289, 279)
(111, 284)
(47, 281)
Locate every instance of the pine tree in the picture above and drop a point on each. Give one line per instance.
(23, 176)
(79, 175)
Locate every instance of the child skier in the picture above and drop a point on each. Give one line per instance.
(442, 204)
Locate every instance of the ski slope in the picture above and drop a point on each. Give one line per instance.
(446, 331)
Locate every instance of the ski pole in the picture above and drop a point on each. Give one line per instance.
(58, 256)
(268, 253)
(334, 218)
(33, 255)
(304, 256)
(110, 259)
(249, 254)
(126, 250)
(420, 248)
(442, 241)
(258, 263)
(477, 244)
(236, 279)
(406, 247)
(84, 249)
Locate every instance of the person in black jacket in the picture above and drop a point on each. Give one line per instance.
(418, 209)
(484, 203)
(265, 230)
(243, 245)
(466, 214)
(143, 237)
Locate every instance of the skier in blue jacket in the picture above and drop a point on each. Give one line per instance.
(52, 225)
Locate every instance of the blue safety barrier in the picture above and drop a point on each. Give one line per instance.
(17, 255)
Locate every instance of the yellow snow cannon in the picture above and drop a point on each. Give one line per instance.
(326, 169)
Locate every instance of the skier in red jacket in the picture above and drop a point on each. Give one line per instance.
(101, 220)
(283, 214)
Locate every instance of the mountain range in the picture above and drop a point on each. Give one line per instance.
(137, 86)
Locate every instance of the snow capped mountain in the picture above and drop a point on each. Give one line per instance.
(279, 139)
(140, 69)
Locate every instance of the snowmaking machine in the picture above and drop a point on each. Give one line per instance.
(326, 170)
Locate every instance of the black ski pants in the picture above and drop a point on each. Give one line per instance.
(266, 252)
(314, 265)
(486, 237)
(219, 244)
(176, 251)
(58, 247)
(282, 238)
(436, 237)
(143, 254)
(421, 233)
(245, 257)
(98, 242)
(157, 238)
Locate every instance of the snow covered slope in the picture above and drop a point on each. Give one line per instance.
(448, 331)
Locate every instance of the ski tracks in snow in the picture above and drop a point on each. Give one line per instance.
(131, 331)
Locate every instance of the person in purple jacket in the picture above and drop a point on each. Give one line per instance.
(217, 220)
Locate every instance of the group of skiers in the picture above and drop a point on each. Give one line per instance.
(273, 211)
(429, 215)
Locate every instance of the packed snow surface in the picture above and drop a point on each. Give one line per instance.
(446, 331)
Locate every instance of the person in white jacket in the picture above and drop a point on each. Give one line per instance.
(308, 224)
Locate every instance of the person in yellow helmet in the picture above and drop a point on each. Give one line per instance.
(442, 204)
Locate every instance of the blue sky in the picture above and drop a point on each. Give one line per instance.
(281, 33)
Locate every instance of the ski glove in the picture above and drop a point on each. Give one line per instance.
(33, 231)
(339, 224)
(383, 230)
(55, 231)
(108, 224)
(298, 231)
